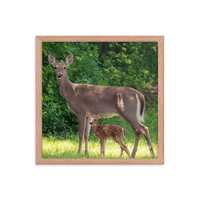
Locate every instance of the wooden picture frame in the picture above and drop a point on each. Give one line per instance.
(40, 39)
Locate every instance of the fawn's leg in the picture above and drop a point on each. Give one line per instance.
(102, 147)
(124, 147)
(122, 150)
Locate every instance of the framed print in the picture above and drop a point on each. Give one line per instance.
(100, 100)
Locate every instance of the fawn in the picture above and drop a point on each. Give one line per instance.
(105, 131)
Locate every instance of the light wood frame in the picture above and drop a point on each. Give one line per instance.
(40, 39)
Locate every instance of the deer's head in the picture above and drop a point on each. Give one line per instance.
(94, 119)
(60, 68)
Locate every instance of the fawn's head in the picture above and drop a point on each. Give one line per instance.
(94, 119)
(60, 68)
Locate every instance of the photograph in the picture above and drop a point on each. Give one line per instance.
(99, 100)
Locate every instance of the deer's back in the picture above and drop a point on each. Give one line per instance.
(89, 96)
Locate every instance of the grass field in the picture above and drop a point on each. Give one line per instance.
(67, 147)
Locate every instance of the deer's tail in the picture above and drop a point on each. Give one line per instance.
(140, 107)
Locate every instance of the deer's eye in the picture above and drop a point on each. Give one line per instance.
(55, 67)
(95, 120)
(64, 67)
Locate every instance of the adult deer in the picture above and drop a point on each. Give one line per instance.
(111, 101)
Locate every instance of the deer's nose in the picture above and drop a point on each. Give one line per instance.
(59, 75)
(91, 123)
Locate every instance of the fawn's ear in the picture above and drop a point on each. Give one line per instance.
(89, 114)
(51, 59)
(69, 60)
(100, 115)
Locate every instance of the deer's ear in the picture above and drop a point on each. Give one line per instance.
(51, 59)
(69, 59)
(89, 114)
(100, 115)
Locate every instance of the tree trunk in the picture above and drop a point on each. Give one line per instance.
(119, 49)
(105, 47)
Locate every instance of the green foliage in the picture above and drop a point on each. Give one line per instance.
(135, 66)
(116, 64)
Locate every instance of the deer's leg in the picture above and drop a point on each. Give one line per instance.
(140, 128)
(136, 144)
(130, 116)
(81, 123)
(147, 137)
(87, 131)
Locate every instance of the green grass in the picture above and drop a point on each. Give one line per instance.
(60, 147)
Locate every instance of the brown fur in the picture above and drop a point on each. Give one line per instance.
(105, 131)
